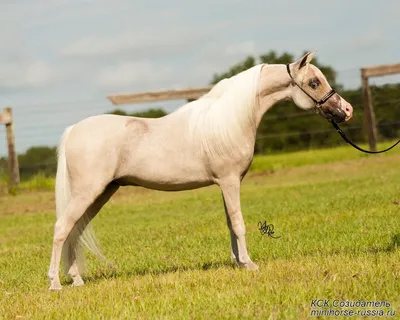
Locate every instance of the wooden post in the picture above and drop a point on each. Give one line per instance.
(7, 119)
(369, 114)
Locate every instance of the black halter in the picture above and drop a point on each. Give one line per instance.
(319, 103)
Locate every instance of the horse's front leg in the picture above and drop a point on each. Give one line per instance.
(231, 195)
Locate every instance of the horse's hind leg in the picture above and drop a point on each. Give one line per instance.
(72, 264)
(76, 208)
(70, 253)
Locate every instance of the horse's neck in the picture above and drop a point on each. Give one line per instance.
(228, 117)
(273, 87)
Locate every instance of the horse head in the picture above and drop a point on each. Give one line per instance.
(311, 90)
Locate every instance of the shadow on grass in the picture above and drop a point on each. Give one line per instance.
(112, 272)
(392, 246)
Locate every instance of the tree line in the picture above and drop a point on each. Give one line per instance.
(283, 128)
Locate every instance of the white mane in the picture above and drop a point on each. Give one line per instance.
(220, 117)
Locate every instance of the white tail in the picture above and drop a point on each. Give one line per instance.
(79, 235)
(63, 192)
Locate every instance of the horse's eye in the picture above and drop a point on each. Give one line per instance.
(314, 84)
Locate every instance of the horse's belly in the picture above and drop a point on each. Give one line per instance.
(162, 166)
(163, 184)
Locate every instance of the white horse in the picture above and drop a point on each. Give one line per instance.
(208, 141)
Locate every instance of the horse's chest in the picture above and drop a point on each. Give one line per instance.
(237, 163)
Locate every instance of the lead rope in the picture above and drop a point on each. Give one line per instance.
(336, 126)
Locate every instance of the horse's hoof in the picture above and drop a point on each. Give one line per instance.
(78, 283)
(55, 287)
(251, 266)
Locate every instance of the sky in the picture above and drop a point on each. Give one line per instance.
(59, 59)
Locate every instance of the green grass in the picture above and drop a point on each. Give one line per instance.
(276, 162)
(38, 182)
(338, 218)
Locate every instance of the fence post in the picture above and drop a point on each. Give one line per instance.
(369, 114)
(7, 119)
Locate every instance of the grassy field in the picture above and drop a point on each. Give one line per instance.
(337, 212)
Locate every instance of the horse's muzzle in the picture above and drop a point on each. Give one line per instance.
(339, 114)
(336, 114)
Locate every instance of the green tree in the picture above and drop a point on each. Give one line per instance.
(272, 57)
(118, 112)
(151, 113)
(39, 159)
(237, 68)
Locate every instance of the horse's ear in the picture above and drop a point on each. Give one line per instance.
(304, 60)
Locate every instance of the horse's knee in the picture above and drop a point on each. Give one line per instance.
(239, 230)
(237, 224)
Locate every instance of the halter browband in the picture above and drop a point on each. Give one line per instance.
(318, 103)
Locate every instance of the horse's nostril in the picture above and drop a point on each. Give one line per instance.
(348, 109)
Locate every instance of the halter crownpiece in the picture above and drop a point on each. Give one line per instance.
(320, 102)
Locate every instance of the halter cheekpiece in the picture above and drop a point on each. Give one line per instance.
(318, 103)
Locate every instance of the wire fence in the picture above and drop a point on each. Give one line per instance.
(41, 124)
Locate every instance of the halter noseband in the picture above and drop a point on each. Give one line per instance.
(318, 103)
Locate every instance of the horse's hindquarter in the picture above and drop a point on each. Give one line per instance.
(158, 154)
(93, 149)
